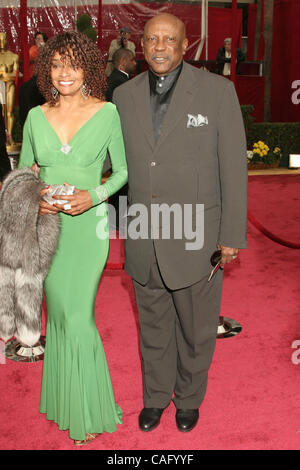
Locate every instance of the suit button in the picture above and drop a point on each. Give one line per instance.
(153, 163)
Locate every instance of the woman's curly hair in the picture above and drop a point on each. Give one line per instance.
(78, 50)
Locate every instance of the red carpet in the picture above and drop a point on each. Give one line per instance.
(252, 400)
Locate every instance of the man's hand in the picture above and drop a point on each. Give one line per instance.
(35, 168)
(228, 254)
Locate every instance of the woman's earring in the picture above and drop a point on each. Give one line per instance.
(54, 93)
(85, 92)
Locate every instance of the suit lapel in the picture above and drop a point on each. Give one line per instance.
(141, 96)
(185, 89)
(183, 95)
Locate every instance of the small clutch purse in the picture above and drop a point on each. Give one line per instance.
(58, 190)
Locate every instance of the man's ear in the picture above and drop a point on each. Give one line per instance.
(122, 63)
(142, 43)
(185, 45)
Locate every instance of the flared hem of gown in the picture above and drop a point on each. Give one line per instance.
(76, 392)
(109, 428)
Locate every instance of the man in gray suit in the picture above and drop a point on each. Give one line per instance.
(185, 146)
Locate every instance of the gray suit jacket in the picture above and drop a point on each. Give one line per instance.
(189, 164)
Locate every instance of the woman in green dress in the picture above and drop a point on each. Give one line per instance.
(67, 140)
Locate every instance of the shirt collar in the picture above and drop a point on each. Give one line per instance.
(161, 85)
(127, 75)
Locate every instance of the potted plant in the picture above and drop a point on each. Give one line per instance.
(262, 157)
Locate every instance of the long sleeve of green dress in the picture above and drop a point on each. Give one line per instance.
(119, 168)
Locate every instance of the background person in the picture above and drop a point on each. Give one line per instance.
(29, 97)
(124, 64)
(39, 41)
(122, 41)
(4, 160)
(224, 58)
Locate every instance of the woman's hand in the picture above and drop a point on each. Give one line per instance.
(45, 208)
(79, 202)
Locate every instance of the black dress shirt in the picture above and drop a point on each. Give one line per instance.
(161, 90)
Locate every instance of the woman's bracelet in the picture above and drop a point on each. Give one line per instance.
(98, 194)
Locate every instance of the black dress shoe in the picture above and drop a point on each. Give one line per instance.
(186, 420)
(149, 418)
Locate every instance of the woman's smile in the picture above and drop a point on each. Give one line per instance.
(66, 82)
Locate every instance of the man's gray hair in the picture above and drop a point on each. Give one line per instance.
(227, 40)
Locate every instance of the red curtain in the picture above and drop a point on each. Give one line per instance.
(285, 62)
(285, 58)
(252, 9)
(234, 12)
(261, 46)
(24, 40)
(54, 19)
(250, 90)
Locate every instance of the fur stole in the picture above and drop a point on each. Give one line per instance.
(28, 242)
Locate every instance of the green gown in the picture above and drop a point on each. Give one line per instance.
(76, 388)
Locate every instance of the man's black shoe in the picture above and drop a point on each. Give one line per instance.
(186, 420)
(149, 418)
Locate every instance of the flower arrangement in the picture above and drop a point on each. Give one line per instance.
(262, 154)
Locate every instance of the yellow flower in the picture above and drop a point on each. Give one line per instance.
(255, 145)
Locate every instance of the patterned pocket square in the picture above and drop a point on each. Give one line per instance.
(196, 121)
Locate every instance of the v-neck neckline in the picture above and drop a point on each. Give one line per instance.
(81, 127)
